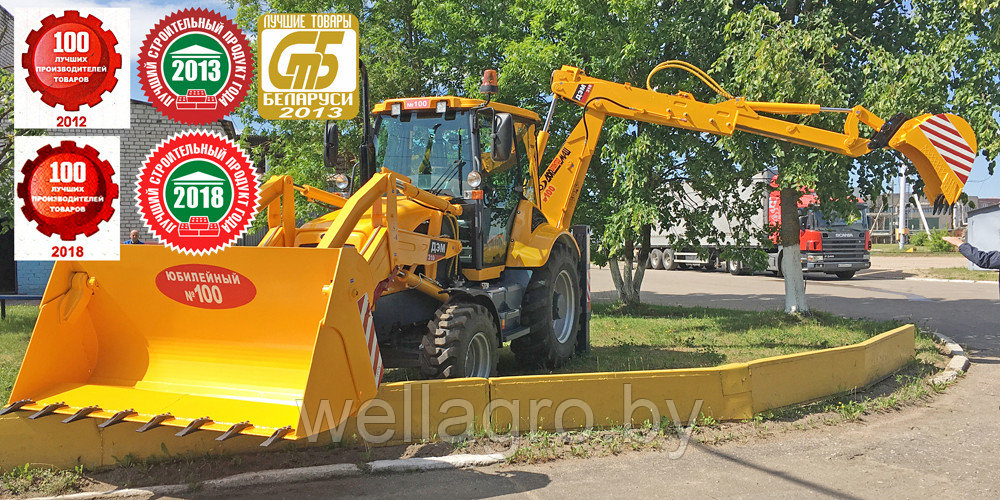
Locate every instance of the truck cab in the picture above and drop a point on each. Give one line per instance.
(834, 245)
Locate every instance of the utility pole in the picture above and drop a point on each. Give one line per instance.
(902, 203)
(920, 210)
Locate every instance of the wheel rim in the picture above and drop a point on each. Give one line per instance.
(477, 358)
(563, 307)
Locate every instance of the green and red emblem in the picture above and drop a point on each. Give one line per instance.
(67, 190)
(195, 66)
(197, 192)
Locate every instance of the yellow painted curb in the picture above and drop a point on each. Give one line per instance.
(438, 409)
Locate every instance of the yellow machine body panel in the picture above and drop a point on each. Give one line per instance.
(453, 102)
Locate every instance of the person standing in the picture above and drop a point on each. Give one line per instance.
(985, 259)
(133, 239)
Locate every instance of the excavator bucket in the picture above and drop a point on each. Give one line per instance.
(943, 148)
(265, 341)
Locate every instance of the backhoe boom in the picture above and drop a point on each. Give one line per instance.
(942, 147)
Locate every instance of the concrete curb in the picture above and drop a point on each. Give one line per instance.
(295, 475)
(433, 463)
(958, 364)
(941, 280)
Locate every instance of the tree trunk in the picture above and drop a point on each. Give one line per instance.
(791, 258)
(628, 284)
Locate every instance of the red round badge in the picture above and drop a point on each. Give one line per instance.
(195, 66)
(67, 190)
(71, 60)
(197, 192)
(205, 286)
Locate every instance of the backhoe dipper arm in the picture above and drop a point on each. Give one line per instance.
(940, 146)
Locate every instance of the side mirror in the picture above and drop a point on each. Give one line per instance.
(502, 137)
(331, 144)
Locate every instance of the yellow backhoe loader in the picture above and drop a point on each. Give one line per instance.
(457, 242)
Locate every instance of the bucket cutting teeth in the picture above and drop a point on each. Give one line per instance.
(16, 405)
(193, 426)
(278, 434)
(49, 408)
(117, 418)
(155, 421)
(81, 414)
(234, 430)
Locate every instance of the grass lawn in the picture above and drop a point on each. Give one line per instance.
(14, 334)
(958, 273)
(652, 337)
(893, 248)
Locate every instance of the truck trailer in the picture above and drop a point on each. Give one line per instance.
(830, 245)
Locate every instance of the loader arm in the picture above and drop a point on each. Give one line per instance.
(164, 339)
(942, 146)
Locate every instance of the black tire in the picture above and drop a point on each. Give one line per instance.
(712, 264)
(669, 262)
(655, 259)
(779, 273)
(544, 346)
(845, 275)
(461, 341)
(736, 268)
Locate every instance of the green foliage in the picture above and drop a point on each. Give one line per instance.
(6, 150)
(937, 243)
(933, 241)
(920, 239)
(45, 480)
(911, 57)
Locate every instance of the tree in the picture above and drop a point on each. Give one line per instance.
(6, 137)
(891, 56)
(910, 57)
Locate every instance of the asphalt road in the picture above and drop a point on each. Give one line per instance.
(946, 447)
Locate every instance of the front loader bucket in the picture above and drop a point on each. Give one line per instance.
(943, 148)
(261, 341)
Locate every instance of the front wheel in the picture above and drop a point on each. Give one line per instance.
(551, 309)
(461, 341)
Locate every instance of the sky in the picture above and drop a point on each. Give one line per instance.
(145, 13)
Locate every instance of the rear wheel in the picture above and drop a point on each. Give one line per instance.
(655, 259)
(845, 275)
(669, 261)
(713, 262)
(735, 267)
(461, 341)
(551, 309)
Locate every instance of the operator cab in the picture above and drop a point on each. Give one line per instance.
(474, 152)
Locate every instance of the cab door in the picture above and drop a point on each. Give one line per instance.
(503, 188)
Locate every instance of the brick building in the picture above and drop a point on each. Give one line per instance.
(148, 128)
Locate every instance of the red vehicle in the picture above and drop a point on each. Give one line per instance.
(832, 246)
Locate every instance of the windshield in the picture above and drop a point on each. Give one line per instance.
(433, 150)
(858, 224)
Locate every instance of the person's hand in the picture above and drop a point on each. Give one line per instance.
(953, 240)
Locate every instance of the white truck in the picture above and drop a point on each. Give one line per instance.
(837, 247)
